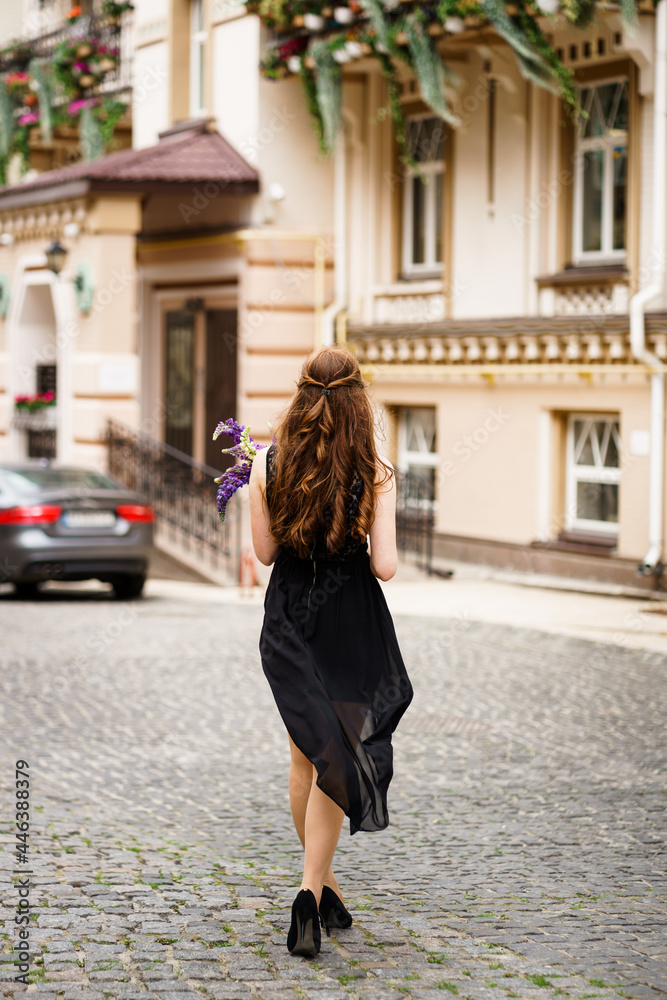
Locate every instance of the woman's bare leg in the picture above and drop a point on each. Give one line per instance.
(324, 820)
(300, 785)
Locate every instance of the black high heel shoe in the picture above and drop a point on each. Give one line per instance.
(304, 937)
(332, 910)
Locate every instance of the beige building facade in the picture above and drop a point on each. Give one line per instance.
(506, 299)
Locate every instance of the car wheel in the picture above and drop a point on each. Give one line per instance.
(26, 591)
(128, 586)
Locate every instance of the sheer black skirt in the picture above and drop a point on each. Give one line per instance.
(330, 654)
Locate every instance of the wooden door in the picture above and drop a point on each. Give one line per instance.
(221, 381)
(180, 380)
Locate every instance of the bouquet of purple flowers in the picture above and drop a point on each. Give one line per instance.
(244, 448)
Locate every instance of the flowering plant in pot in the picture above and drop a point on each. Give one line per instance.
(74, 108)
(17, 82)
(114, 9)
(278, 14)
(406, 33)
(106, 59)
(273, 65)
(59, 91)
(34, 402)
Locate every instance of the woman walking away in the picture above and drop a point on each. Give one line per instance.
(328, 646)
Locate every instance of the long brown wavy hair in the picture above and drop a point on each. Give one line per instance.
(325, 436)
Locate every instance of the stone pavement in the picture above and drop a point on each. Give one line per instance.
(525, 856)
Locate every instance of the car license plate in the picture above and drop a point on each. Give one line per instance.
(89, 519)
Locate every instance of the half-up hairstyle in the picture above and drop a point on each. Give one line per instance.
(325, 438)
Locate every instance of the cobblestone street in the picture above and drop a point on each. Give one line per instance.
(525, 856)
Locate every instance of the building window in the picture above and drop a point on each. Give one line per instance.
(601, 174)
(197, 58)
(593, 474)
(423, 198)
(46, 380)
(42, 443)
(417, 455)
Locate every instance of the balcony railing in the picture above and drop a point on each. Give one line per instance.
(415, 518)
(183, 495)
(50, 26)
(45, 419)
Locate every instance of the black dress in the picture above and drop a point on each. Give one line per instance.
(330, 653)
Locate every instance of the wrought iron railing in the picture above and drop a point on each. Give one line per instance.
(415, 518)
(182, 493)
(55, 28)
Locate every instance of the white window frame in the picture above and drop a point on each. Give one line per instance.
(198, 39)
(590, 474)
(422, 459)
(584, 145)
(430, 267)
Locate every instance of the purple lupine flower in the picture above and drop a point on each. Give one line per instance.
(239, 475)
(230, 427)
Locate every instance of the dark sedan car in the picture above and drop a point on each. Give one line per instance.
(72, 524)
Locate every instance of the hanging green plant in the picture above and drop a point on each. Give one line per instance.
(579, 12)
(309, 84)
(429, 68)
(563, 76)
(90, 133)
(43, 87)
(396, 108)
(328, 88)
(109, 114)
(116, 8)
(7, 130)
(382, 29)
(379, 22)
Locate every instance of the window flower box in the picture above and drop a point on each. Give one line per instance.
(35, 413)
(38, 401)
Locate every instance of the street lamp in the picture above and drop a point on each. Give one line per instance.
(55, 257)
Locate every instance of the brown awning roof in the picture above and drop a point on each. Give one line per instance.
(188, 154)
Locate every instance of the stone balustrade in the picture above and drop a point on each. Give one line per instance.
(597, 346)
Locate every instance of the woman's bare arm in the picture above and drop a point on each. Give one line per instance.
(266, 549)
(383, 554)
